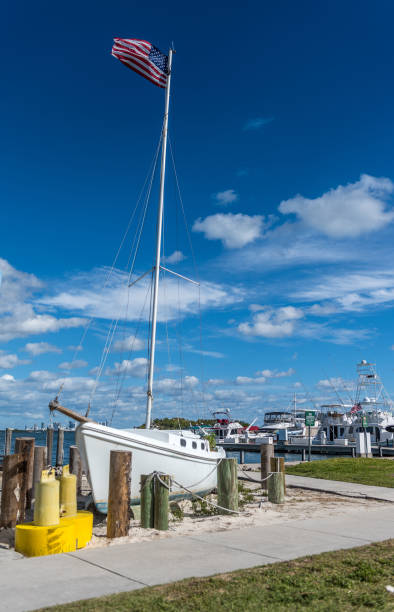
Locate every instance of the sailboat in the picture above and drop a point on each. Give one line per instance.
(182, 454)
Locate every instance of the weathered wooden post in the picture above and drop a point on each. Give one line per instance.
(76, 466)
(118, 517)
(278, 465)
(303, 454)
(162, 489)
(59, 447)
(227, 485)
(25, 446)
(8, 441)
(49, 444)
(13, 475)
(266, 452)
(39, 464)
(147, 501)
(275, 488)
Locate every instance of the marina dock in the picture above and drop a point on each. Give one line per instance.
(316, 449)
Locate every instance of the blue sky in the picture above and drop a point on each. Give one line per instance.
(282, 132)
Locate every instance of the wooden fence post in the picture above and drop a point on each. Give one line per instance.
(8, 441)
(49, 444)
(59, 447)
(40, 463)
(266, 452)
(13, 475)
(161, 501)
(25, 446)
(118, 517)
(275, 488)
(278, 465)
(228, 485)
(147, 501)
(76, 466)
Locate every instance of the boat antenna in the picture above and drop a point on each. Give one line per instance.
(149, 391)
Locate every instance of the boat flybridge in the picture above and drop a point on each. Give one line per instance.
(228, 431)
(371, 410)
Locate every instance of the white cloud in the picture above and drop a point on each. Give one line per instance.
(18, 316)
(174, 258)
(87, 294)
(131, 343)
(234, 230)
(272, 323)
(39, 348)
(275, 373)
(247, 380)
(347, 211)
(41, 375)
(257, 123)
(135, 367)
(75, 383)
(10, 361)
(224, 198)
(219, 381)
(71, 365)
(7, 378)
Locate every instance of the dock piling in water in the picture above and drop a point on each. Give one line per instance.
(49, 444)
(76, 466)
(8, 441)
(59, 447)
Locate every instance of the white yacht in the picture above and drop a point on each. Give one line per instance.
(370, 410)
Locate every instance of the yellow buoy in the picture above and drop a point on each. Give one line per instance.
(68, 493)
(83, 523)
(46, 507)
(34, 541)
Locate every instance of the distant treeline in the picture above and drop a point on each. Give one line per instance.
(180, 423)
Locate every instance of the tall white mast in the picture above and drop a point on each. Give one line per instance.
(158, 247)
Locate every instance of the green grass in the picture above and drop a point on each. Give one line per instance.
(344, 580)
(378, 472)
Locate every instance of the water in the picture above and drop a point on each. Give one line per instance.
(41, 440)
(255, 457)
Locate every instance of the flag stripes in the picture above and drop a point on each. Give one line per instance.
(142, 57)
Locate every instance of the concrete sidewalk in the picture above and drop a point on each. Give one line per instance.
(349, 489)
(28, 584)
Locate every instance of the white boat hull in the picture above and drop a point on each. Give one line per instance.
(152, 450)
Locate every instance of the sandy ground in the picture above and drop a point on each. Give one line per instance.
(299, 504)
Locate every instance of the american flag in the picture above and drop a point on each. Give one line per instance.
(142, 57)
(355, 408)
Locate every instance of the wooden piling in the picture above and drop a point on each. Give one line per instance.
(8, 441)
(147, 501)
(39, 464)
(162, 489)
(275, 488)
(76, 466)
(25, 446)
(13, 475)
(118, 517)
(227, 485)
(278, 465)
(303, 454)
(59, 447)
(49, 444)
(266, 452)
